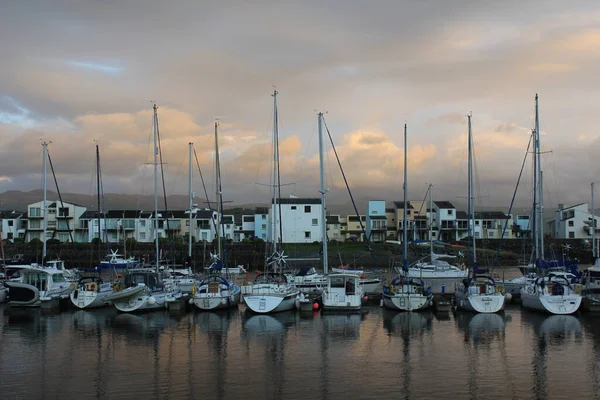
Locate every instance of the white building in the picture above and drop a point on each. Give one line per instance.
(62, 220)
(376, 228)
(11, 224)
(574, 222)
(300, 220)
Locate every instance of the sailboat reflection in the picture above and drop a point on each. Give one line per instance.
(550, 331)
(400, 324)
(591, 323)
(481, 328)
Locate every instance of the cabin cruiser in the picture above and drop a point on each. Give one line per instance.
(308, 280)
(143, 289)
(115, 261)
(37, 285)
(343, 293)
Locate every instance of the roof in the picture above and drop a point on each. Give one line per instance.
(354, 218)
(11, 214)
(389, 210)
(228, 219)
(490, 215)
(248, 218)
(566, 208)
(400, 204)
(297, 200)
(461, 215)
(444, 204)
(377, 217)
(262, 210)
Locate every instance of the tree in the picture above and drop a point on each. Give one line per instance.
(35, 242)
(96, 241)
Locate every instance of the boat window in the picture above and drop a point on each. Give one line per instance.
(138, 278)
(58, 278)
(337, 282)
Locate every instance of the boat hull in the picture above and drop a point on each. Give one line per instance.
(3, 294)
(406, 301)
(210, 302)
(85, 299)
(270, 303)
(480, 303)
(553, 304)
(370, 286)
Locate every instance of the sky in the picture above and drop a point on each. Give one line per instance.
(80, 72)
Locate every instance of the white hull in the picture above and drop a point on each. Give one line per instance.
(480, 303)
(3, 293)
(343, 293)
(210, 302)
(142, 302)
(426, 274)
(553, 304)
(271, 303)
(85, 299)
(370, 285)
(406, 301)
(347, 271)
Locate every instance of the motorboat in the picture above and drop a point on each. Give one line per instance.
(38, 285)
(343, 293)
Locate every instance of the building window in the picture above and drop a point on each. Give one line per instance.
(63, 212)
(63, 237)
(143, 224)
(10, 223)
(264, 236)
(35, 212)
(293, 207)
(491, 234)
(450, 212)
(570, 223)
(407, 212)
(263, 216)
(34, 224)
(374, 212)
(142, 235)
(9, 235)
(187, 223)
(306, 235)
(204, 235)
(571, 235)
(315, 221)
(264, 226)
(306, 209)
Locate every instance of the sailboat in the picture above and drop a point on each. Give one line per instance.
(91, 291)
(406, 293)
(479, 293)
(343, 291)
(550, 292)
(40, 283)
(270, 291)
(216, 291)
(143, 288)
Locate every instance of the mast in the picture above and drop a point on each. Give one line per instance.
(98, 195)
(430, 221)
(404, 222)
(44, 209)
(470, 194)
(275, 161)
(323, 204)
(218, 191)
(593, 225)
(156, 187)
(535, 185)
(191, 145)
(541, 180)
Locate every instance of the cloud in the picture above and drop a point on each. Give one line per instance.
(90, 71)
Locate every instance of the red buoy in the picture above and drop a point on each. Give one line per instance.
(315, 306)
(366, 298)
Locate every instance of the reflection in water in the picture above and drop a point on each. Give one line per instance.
(270, 331)
(551, 332)
(407, 326)
(104, 355)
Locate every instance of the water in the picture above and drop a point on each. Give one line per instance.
(100, 354)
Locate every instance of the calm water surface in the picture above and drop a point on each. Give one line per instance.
(101, 354)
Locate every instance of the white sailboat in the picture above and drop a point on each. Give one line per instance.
(143, 288)
(271, 292)
(550, 293)
(406, 293)
(91, 292)
(478, 293)
(216, 291)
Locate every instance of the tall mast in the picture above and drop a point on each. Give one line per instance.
(98, 195)
(218, 191)
(156, 186)
(44, 207)
(404, 222)
(470, 193)
(191, 193)
(431, 221)
(275, 161)
(541, 181)
(323, 204)
(593, 223)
